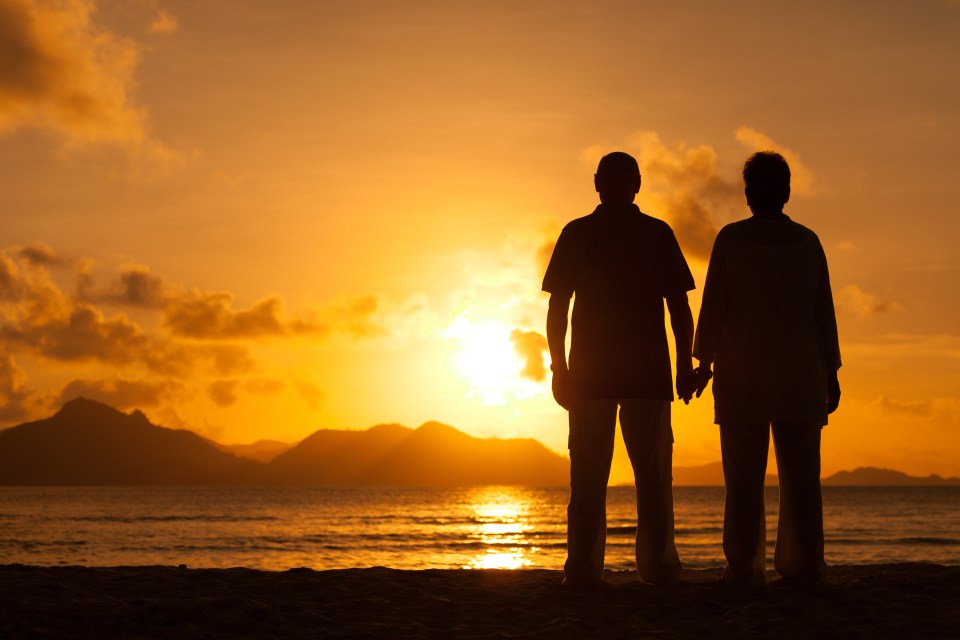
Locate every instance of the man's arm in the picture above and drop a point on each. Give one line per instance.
(557, 342)
(681, 321)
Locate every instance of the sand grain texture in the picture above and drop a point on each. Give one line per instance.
(868, 602)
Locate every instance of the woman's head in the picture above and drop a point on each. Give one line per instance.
(766, 179)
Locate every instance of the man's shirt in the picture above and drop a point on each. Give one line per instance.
(619, 264)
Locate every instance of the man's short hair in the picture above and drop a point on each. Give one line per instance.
(766, 175)
(618, 165)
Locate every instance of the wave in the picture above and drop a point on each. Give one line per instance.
(680, 531)
(908, 541)
(172, 518)
(41, 544)
(929, 540)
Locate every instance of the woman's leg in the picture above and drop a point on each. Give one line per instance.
(744, 448)
(799, 552)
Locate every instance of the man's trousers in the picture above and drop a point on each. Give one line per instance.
(649, 440)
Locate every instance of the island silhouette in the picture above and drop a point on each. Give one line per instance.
(89, 443)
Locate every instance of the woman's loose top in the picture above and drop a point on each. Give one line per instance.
(767, 323)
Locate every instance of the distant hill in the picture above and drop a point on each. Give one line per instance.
(261, 450)
(712, 474)
(874, 477)
(432, 455)
(89, 443)
(706, 475)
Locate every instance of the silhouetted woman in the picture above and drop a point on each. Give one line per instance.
(768, 326)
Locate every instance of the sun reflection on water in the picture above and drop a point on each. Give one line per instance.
(501, 523)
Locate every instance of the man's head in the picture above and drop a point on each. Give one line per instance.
(766, 180)
(617, 179)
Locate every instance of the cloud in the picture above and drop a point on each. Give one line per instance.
(223, 392)
(135, 287)
(942, 348)
(801, 179)
(11, 287)
(356, 317)
(62, 72)
(227, 359)
(210, 315)
(530, 346)
(38, 318)
(164, 339)
(83, 334)
(41, 255)
(123, 393)
(311, 393)
(17, 402)
(545, 252)
(919, 409)
(863, 304)
(163, 22)
(684, 184)
(940, 409)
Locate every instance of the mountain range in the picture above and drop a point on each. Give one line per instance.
(89, 443)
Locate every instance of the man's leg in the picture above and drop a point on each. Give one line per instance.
(744, 448)
(649, 439)
(592, 428)
(799, 552)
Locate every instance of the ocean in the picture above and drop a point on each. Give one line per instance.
(475, 527)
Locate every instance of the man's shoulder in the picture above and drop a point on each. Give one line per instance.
(655, 224)
(648, 225)
(582, 222)
(807, 231)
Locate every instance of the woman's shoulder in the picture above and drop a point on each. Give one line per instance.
(780, 232)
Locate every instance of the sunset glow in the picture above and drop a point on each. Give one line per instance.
(501, 515)
(257, 220)
(487, 360)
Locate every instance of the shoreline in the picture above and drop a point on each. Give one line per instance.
(912, 600)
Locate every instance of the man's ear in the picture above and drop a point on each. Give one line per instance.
(596, 182)
(786, 198)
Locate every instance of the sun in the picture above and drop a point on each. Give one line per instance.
(486, 360)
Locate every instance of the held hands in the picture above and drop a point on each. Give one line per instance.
(693, 382)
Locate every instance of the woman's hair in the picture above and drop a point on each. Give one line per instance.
(766, 176)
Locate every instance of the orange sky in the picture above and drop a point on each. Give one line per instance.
(257, 219)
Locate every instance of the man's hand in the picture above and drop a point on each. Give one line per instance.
(562, 391)
(686, 385)
(833, 392)
(702, 375)
(693, 383)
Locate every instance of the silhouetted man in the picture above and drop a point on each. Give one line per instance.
(619, 264)
(767, 324)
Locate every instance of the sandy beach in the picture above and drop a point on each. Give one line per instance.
(870, 602)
